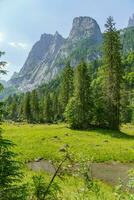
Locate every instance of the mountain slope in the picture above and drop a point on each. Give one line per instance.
(49, 54)
(42, 53)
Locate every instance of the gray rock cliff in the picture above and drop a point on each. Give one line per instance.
(49, 54)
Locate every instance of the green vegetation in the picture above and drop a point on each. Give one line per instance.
(127, 39)
(94, 99)
(45, 141)
(67, 86)
(10, 173)
(96, 94)
(78, 111)
(113, 73)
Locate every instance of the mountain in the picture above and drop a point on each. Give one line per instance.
(131, 21)
(83, 42)
(127, 36)
(49, 55)
(39, 61)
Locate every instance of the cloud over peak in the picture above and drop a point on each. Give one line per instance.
(19, 45)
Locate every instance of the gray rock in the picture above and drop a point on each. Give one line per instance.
(66, 134)
(85, 27)
(38, 63)
(64, 148)
(47, 57)
(38, 159)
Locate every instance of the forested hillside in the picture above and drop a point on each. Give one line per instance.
(48, 102)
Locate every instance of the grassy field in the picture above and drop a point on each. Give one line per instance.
(34, 141)
(45, 141)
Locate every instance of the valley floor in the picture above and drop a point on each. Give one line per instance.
(111, 152)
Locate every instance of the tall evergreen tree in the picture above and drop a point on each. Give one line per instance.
(55, 107)
(66, 85)
(48, 115)
(10, 173)
(34, 102)
(78, 111)
(113, 66)
(14, 108)
(99, 100)
(27, 107)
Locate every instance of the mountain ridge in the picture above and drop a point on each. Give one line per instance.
(48, 56)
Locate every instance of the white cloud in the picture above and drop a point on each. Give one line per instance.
(2, 37)
(13, 44)
(20, 45)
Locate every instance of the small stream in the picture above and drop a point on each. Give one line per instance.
(109, 172)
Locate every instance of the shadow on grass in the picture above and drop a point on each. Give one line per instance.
(104, 131)
(115, 134)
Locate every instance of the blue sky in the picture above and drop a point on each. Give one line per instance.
(23, 21)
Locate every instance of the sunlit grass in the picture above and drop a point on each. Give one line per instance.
(44, 141)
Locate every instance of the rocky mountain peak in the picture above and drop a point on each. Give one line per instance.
(84, 27)
(39, 52)
(48, 56)
(131, 21)
(46, 36)
(57, 34)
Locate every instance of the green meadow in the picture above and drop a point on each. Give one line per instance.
(45, 141)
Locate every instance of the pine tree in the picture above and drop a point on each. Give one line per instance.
(27, 107)
(21, 116)
(113, 66)
(48, 115)
(41, 109)
(34, 106)
(14, 108)
(55, 107)
(10, 173)
(99, 101)
(78, 111)
(66, 85)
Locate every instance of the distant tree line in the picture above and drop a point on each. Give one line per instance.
(100, 93)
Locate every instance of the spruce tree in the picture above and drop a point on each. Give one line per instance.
(66, 85)
(27, 107)
(113, 66)
(34, 106)
(48, 115)
(99, 100)
(55, 107)
(78, 112)
(10, 173)
(14, 108)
